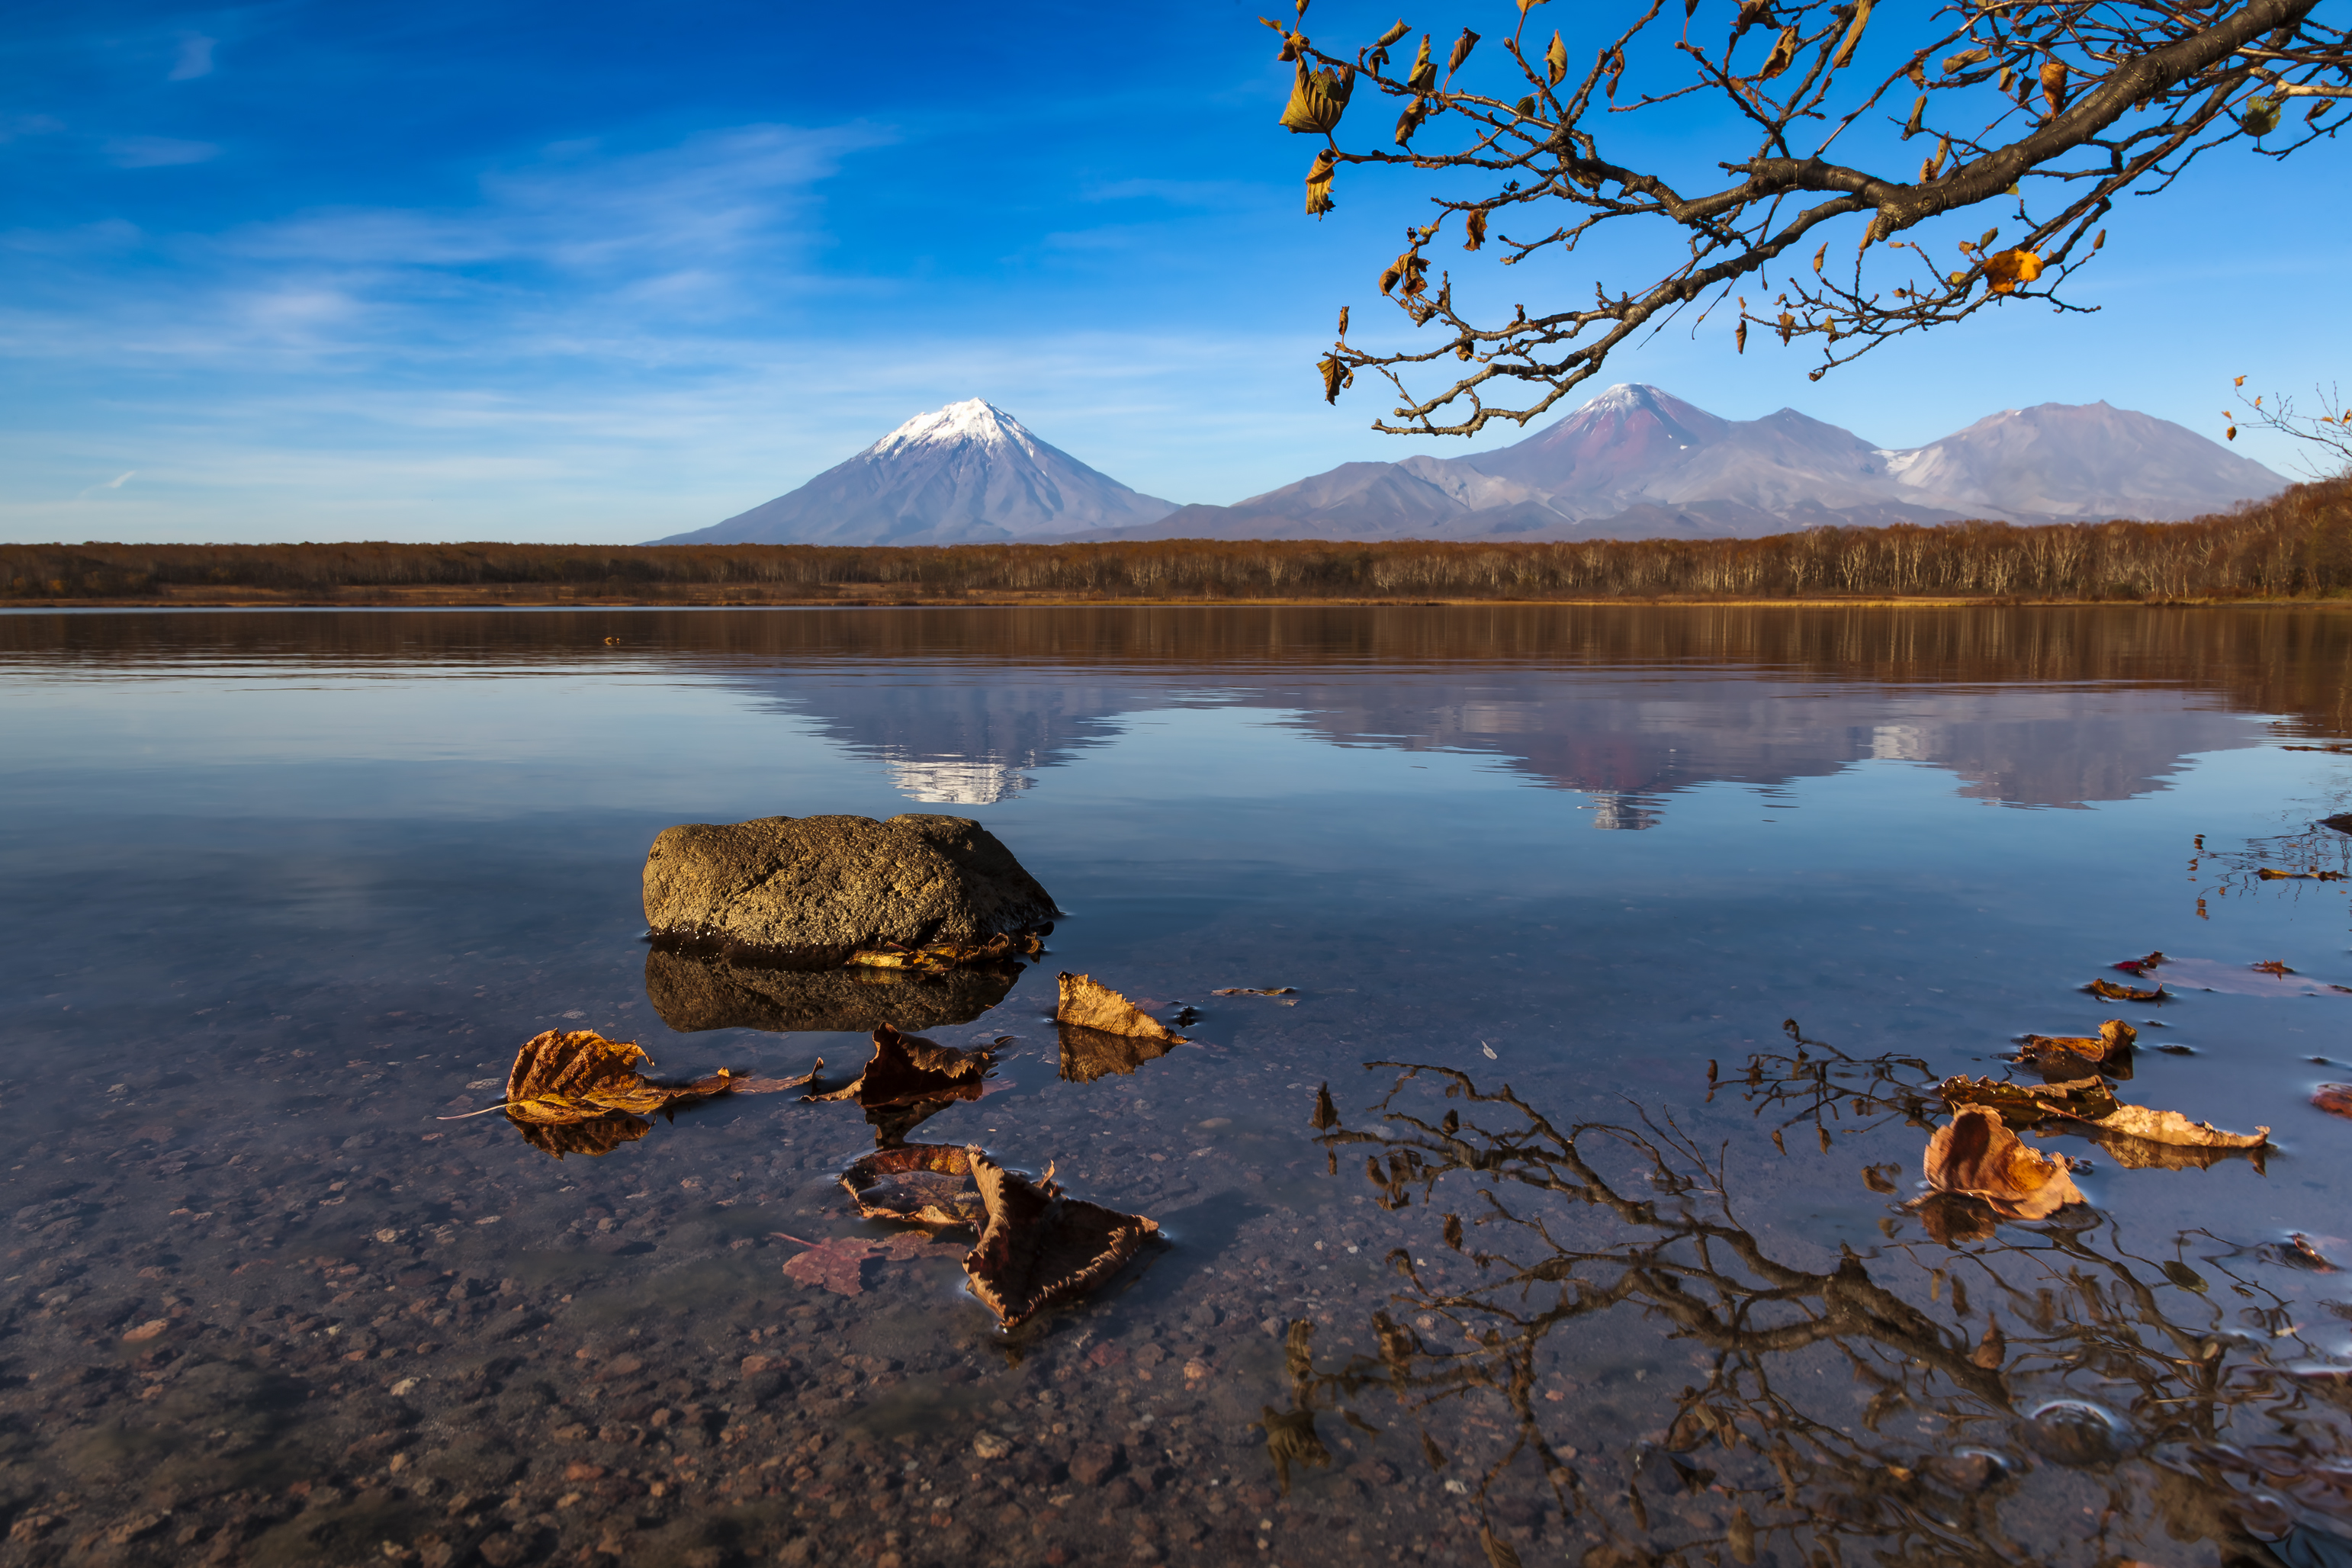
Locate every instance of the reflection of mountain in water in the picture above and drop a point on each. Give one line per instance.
(1626, 703)
(1625, 737)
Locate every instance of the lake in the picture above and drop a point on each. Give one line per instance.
(1631, 943)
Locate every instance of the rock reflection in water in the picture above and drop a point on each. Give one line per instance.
(696, 992)
(2008, 1392)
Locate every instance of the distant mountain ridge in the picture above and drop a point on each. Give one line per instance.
(968, 473)
(1632, 463)
(1638, 463)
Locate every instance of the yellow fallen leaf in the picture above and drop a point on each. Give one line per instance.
(1977, 1156)
(1093, 1006)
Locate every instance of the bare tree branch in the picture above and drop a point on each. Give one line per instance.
(2076, 101)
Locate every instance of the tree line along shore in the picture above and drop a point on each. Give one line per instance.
(2296, 545)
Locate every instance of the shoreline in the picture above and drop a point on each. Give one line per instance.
(263, 599)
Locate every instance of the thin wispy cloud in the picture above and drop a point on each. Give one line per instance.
(157, 151)
(195, 58)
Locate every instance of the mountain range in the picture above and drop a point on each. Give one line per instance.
(1632, 463)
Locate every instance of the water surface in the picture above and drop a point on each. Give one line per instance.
(286, 888)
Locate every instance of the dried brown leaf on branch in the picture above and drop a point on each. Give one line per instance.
(905, 1069)
(1318, 99)
(2109, 1050)
(916, 1183)
(1039, 1245)
(1090, 1005)
(1977, 1156)
(2005, 269)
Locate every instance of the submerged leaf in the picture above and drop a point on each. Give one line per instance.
(1039, 1247)
(905, 1069)
(918, 1184)
(1093, 1006)
(1256, 990)
(2334, 1097)
(1979, 1157)
(834, 1265)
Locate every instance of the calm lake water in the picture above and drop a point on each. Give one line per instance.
(1677, 914)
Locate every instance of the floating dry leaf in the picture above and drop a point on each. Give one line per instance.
(2335, 1098)
(1256, 990)
(2270, 875)
(1040, 1246)
(2271, 966)
(2109, 1050)
(1089, 1054)
(918, 1184)
(2171, 1127)
(2022, 1105)
(905, 1069)
(2092, 1103)
(567, 1075)
(1093, 1006)
(2296, 1252)
(1977, 1156)
(835, 1264)
(939, 957)
(2112, 991)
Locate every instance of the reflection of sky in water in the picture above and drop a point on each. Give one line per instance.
(346, 880)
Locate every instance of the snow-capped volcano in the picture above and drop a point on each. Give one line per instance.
(967, 473)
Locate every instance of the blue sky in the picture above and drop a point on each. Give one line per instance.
(605, 272)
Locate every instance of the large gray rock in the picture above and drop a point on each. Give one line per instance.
(793, 884)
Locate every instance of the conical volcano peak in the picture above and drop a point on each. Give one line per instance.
(967, 473)
(973, 419)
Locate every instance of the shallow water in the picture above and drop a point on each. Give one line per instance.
(286, 888)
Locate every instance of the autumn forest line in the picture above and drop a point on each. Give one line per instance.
(2296, 545)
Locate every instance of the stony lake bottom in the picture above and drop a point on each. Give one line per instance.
(1631, 943)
